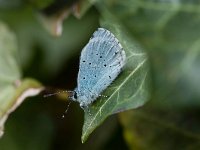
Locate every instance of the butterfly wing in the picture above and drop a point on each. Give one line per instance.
(101, 61)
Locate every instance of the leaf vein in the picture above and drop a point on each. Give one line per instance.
(140, 88)
(135, 54)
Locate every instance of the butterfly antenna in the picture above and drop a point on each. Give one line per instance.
(63, 116)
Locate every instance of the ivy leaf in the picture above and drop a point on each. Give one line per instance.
(156, 129)
(129, 90)
(13, 90)
(169, 30)
(52, 19)
(81, 7)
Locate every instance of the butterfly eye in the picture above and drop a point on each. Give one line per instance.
(75, 95)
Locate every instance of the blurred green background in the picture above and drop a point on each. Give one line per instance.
(168, 31)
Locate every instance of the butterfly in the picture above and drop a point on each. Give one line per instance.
(101, 61)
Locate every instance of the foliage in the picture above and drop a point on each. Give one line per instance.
(161, 40)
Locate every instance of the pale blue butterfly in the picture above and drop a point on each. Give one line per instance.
(101, 61)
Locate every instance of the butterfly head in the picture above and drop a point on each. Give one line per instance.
(72, 95)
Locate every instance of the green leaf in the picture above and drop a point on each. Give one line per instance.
(40, 4)
(36, 130)
(53, 21)
(13, 90)
(43, 46)
(154, 129)
(4, 4)
(169, 31)
(81, 7)
(129, 90)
